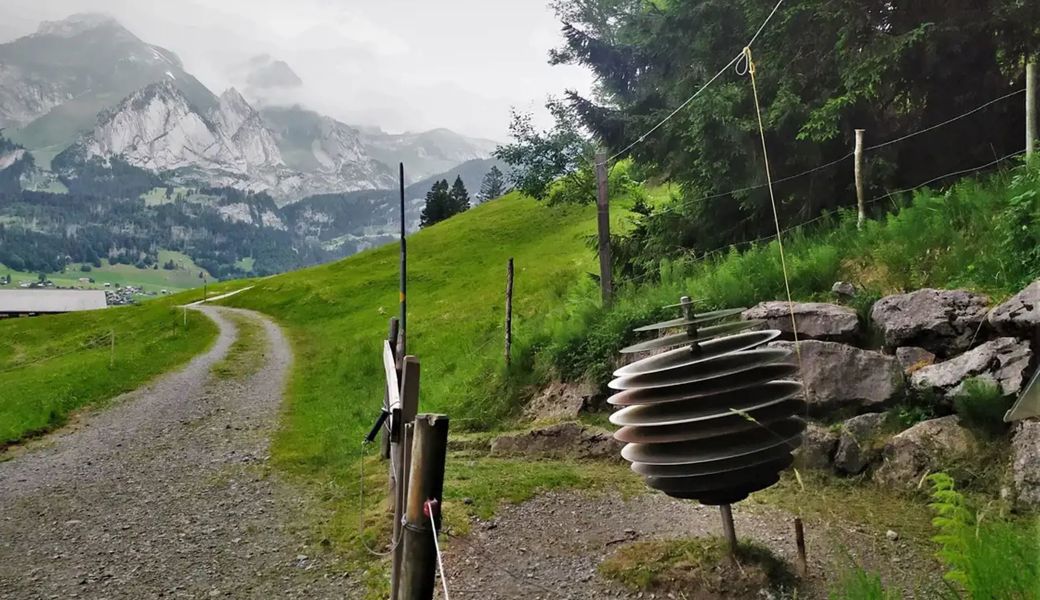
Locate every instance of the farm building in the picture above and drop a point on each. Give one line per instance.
(15, 303)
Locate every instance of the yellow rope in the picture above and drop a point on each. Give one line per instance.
(776, 221)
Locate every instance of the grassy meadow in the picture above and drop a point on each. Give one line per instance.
(184, 277)
(52, 366)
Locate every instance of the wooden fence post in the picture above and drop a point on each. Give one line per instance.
(426, 482)
(606, 272)
(509, 312)
(1030, 108)
(401, 454)
(860, 202)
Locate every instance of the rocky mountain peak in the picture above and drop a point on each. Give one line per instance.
(78, 24)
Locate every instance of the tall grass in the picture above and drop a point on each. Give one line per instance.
(980, 234)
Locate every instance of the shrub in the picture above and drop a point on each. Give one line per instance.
(981, 405)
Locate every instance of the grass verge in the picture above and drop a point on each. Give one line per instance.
(53, 365)
(246, 354)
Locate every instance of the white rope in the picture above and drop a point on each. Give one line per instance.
(437, 546)
(687, 102)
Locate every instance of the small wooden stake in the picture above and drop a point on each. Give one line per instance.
(1030, 109)
(799, 540)
(426, 482)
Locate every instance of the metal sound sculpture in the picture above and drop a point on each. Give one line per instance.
(715, 419)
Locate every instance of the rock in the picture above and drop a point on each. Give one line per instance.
(842, 379)
(571, 440)
(844, 288)
(1005, 361)
(1019, 316)
(926, 447)
(561, 401)
(912, 358)
(858, 445)
(1025, 464)
(818, 445)
(892, 535)
(815, 320)
(940, 321)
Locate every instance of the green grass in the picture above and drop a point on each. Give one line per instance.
(696, 567)
(336, 316)
(184, 277)
(246, 354)
(51, 366)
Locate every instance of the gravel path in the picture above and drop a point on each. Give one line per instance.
(549, 548)
(165, 494)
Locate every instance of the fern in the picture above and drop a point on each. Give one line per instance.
(955, 523)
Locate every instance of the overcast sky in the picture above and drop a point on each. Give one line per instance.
(399, 64)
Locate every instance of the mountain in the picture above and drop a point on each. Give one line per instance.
(426, 153)
(54, 82)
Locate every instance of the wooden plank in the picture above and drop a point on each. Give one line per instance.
(393, 387)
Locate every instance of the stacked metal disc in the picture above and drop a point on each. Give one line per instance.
(715, 419)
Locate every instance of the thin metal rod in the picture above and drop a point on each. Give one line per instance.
(401, 339)
(729, 531)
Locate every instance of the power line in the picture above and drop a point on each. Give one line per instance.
(687, 102)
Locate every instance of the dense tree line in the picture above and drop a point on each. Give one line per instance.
(443, 202)
(823, 69)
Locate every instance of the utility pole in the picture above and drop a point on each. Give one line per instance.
(860, 202)
(509, 312)
(1030, 108)
(606, 278)
(429, 451)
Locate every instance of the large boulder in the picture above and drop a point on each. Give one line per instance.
(818, 446)
(1004, 361)
(860, 443)
(1025, 464)
(815, 320)
(940, 321)
(1019, 316)
(563, 440)
(842, 379)
(926, 447)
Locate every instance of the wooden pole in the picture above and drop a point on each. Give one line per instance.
(606, 277)
(1030, 108)
(402, 455)
(729, 531)
(509, 312)
(799, 540)
(429, 451)
(860, 202)
(112, 356)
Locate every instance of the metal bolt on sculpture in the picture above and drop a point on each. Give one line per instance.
(713, 420)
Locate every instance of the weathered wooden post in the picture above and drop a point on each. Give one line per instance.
(1030, 108)
(401, 454)
(426, 483)
(860, 202)
(509, 312)
(606, 273)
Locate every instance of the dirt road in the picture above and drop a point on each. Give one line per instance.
(165, 494)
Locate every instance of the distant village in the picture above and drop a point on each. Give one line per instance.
(20, 298)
